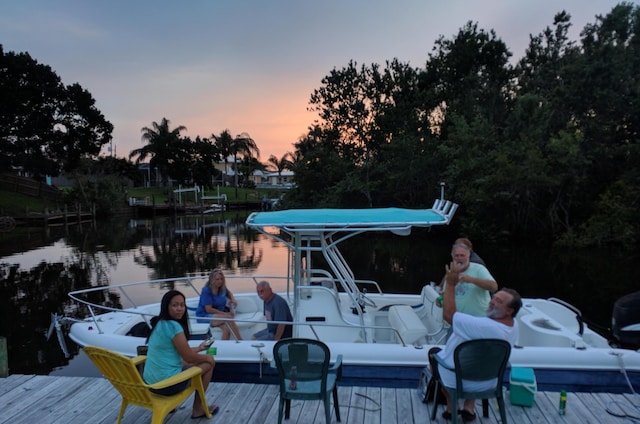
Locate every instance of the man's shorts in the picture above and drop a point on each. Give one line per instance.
(264, 335)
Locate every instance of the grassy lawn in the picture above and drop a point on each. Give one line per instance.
(17, 204)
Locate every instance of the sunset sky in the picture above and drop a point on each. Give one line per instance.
(246, 66)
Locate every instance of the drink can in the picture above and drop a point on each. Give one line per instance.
(563, 403)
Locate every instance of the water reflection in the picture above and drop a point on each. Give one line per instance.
(38, 269)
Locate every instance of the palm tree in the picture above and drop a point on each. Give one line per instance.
(162, 145)
(224, 144)
(281, 164)
(243, 145)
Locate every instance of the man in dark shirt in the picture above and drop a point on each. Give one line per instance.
(275, 309)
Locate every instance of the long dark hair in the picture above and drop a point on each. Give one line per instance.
(164, 312)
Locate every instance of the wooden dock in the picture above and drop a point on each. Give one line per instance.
(48, 399)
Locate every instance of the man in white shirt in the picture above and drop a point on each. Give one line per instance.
(499, 323)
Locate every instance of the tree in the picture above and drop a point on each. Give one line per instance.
(224, 144)
(345, 106)
(247, 166)
(280, 164)
(244, 146)
(45, 127)
(468, 76)
(206, 156)
(162, 146)
(319, 169)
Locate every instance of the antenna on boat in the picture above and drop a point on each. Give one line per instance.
(442, 190)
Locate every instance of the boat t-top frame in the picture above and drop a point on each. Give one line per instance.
(305, 231)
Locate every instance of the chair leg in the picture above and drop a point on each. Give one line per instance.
(123, 406)
(434, 410)
(287, 408)
(335, 403)
(485, 408)
(327, 409)
(280, 410)
(503, 411)
(157, 418)
(454, 406)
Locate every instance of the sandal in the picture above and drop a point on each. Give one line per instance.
(447, 415)
(466, 415)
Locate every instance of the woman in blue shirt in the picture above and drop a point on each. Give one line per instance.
(169, 352)
(217, 301)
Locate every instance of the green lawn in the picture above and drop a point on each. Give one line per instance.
(17, 204)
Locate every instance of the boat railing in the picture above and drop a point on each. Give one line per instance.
(96, 309)
(119, 291)
(94, 301)
(369, 283)
(314, 325)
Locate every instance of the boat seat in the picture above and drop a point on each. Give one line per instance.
(429, 294)
(247, 310)
(539, 330)
(406, 322)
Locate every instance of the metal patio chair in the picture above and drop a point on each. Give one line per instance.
(304, 374)
(476, 360)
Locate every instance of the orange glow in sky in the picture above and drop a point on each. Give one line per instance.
(247, 66)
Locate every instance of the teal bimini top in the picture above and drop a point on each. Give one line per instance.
(354, 219)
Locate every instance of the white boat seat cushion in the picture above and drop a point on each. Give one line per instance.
(406, 322)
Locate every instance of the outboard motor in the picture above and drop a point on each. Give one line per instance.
(625, 321)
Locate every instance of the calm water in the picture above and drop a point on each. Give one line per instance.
(38, 268)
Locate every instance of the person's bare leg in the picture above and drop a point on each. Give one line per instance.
(226, 334)
(448, 397)
(207, 372)
(235, 329)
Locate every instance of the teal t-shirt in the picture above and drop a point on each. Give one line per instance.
(163, 359)
(471, 299)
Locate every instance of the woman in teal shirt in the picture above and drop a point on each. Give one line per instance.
(169, 352)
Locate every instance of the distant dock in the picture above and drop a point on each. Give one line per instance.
(55, 218)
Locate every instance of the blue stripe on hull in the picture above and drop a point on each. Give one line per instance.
(407, 377)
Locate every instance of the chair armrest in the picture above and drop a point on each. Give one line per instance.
(442, 364)
(187, 374)
(337, 367)
(138, 360)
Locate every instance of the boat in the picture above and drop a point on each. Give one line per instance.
(383, 337)
(214, 208)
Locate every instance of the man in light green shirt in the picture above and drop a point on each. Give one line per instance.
(475, 283)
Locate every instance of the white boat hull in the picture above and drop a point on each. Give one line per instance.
(575, 365)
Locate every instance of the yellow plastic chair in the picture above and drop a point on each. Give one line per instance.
(123, 373)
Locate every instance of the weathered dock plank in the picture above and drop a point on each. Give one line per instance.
(28, 399)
